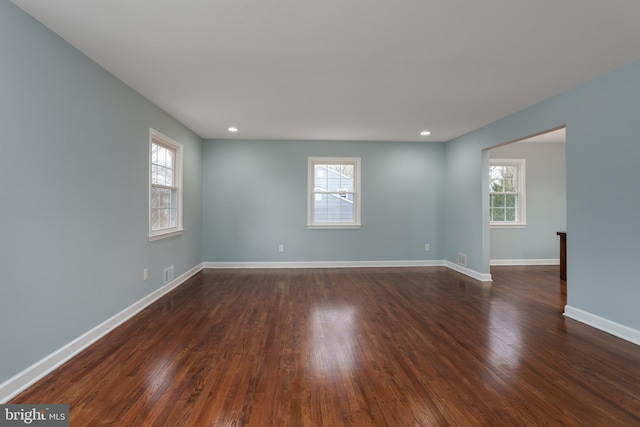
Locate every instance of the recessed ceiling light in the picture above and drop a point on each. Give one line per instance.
(425, 133)
(233, 129)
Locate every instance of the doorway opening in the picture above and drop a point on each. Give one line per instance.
(527, 199)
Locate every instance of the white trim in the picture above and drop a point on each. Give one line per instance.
(468, 272)
(155, 237)
(158, 138)
(21, 381)
(522, 193)
(357, 191)
(336, 226)
(605, 325)
(325, 264)
(498, 262)
(352, 264)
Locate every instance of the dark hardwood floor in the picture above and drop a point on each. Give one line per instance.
(353, 347)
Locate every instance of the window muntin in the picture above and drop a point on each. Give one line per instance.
(334, 192)
(507, 192)
(165, 190)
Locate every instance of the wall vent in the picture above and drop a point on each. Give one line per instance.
(168, 274)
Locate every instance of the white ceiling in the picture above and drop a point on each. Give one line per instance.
(347, 69)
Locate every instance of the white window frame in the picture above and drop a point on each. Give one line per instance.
(156, 138)
(521, 208)
(357, 200)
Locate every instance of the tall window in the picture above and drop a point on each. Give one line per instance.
(507, 192)
(165, 190)
(334, 192)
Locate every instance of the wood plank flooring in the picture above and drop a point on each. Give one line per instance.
(353, 347)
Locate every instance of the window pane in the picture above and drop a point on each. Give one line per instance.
(321, 208)
(156, 197)
(498, 200)
(173, 218)
(333, 212)
(497, 214)
(156, 177)
(169, 158)
(334, 168)
(511, 200)
(333, 208)
(496, 186)
(339, 178)
(161, 175)
(169, 175)
(510, 214)
(346, 184)
(162, 197)
(154, 219)
(496, 172)
(346, 211)
(510, 185)
(162, 218)
(162, 165)
(320, 179)
(333, 181)
(162, 156)
(344, 195)
(159, 219)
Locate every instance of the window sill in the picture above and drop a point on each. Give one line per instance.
(159, 236)
(334, 226)
(507, 225)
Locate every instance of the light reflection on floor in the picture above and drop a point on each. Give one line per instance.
(159, 376)
(505, 341)
(333, 340)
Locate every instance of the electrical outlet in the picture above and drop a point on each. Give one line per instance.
(462, 259)
(427, 247)
(280, 248)
(145, 274)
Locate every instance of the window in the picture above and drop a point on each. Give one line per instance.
(165, 190)
(507, 192)
(334, 192)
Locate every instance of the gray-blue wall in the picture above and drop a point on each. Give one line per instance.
(546, 200)
(602, 151)
(74, 198)
(255, 198)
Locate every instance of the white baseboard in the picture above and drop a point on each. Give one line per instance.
(498, 262)
(19, 382)
(605, 325)
(468, 272)
(325, 264)
(351, 264)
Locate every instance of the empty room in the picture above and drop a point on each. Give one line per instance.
(287, 213)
